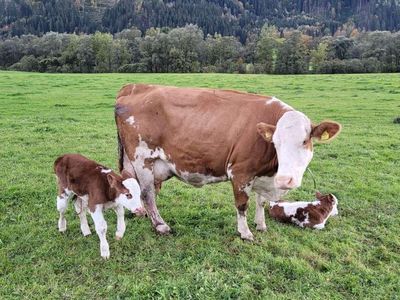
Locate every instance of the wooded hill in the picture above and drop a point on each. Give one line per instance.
(227, 17)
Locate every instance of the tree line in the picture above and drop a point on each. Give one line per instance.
(187, 49)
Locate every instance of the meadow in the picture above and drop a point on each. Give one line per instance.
(357, 255)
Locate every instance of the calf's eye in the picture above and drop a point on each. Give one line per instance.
(129, 196)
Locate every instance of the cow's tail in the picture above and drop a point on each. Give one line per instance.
(121, 150)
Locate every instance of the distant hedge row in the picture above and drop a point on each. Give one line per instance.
(186, 49)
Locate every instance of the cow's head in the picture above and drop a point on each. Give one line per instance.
(127, 191)
(292, 137)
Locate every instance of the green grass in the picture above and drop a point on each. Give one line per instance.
(356, 256)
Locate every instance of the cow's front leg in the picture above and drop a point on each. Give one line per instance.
(101, 229)
(259, 218)
(241, 193)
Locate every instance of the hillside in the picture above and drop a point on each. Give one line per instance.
(228, 17)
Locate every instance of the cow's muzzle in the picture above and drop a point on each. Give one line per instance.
(286, 182)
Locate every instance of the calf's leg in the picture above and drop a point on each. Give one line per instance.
(119, 210)
(62, 205)
(80, 208)
(101, 229)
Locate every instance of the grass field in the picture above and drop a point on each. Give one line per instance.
(356, 256)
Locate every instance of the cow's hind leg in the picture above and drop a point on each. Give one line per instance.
(147, 185)
(259, 218)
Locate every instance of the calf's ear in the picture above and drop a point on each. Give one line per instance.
(266, 131)
(326, 131)
(125, 175)
(112, 180)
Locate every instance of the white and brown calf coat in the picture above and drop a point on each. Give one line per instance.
(305, 214)
(94, 188)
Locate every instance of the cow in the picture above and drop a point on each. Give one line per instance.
(206, 136)
(94, 187)
(305, 214)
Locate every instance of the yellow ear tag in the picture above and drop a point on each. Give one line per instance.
(325, 136)
(268, 136)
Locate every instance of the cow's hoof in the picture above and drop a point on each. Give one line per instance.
(247, 237)
(163, 229)
(118, 238)
(261, 227)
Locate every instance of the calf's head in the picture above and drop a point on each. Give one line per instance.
(328, 199)
(127, 191)
(292, 137)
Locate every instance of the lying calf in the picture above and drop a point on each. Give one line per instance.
(306, 214)
(97, 188)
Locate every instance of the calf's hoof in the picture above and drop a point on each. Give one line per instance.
(105, 253)
(118, 237)
(62, 226)
(261, 227)
(247, 236)
(163, 229)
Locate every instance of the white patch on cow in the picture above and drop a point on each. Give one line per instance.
(229, 171)
(292, 129)
(130, 120)
(106, 171)
(290, 208)
(134, 203)
(276, 100)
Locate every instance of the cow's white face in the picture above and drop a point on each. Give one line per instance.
(292, 138)
(292, 141)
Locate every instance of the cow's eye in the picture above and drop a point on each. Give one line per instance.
(128, 195)
(305, 142)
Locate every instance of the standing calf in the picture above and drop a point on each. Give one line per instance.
(95, 187)
(306, 214)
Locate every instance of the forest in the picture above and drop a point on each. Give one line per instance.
(188, 49)
(226, 17)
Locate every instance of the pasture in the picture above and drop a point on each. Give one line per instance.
(356, 256)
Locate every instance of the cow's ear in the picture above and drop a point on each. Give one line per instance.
(112, 180)
(266, 131)
(326, 131)
(125, 175)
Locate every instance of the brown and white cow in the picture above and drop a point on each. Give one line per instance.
(305, 214)
(205, 136)
(95, 187)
